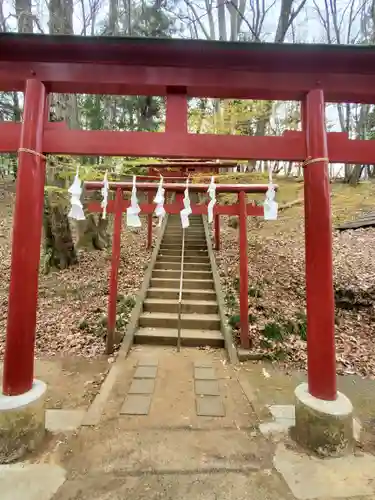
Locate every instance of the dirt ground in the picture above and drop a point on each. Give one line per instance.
(72, 304)
(276, 255)
(72, 382)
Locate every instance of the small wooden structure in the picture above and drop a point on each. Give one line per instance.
(365, 221)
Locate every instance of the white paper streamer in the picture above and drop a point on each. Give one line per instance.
(132, 212)
(159, 200)
(212, 194)
(270, 205)
(76, 207)
(186, 211)
(104, 192)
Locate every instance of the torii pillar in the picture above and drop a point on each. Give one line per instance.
(22, 414)
(324, 419)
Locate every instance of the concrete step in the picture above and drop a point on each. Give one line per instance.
(188, 239)
(172, 273)
(173, 293)
(173, 238)
(177, 240)
(191, 229)
(189, 338)
(176, 217)
(187, 258)
(189, 266)
(177, 221)
(192, 219)
(188, 242)
(201, 252)
(188, 246)
(188, 230)
(188, 284)
(187, 306)
(188, 321)
(177, 227)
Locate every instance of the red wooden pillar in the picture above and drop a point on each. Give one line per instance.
(179, 199)
(149, 222)
(244, 265)
(217, 231)
(27, 231)
(113, 280)
(176, 121)
(176, 113)
(318, 240)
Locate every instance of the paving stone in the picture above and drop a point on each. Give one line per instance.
(64, 420)
(210, 406)
(30, 481)
(148, 362)
(204, 374)
(202, 364)
(145, 372)
(279, 426)
(136, 404)
(283, 412)
(207, 388)
(284, 419)
(142, 386)
(311, 478)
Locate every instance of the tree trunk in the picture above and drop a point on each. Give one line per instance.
(355, 175)
(92, 233)
(58, 239)
(24, 16)
(59, 252)
(371, 171)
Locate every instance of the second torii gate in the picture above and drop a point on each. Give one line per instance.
(241, 209)
(169, 170)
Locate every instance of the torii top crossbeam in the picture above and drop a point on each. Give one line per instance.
(179, 188)
(119, 65)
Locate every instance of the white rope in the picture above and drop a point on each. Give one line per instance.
(270, 206)
(104, 192)
(211, 193)
(132, 212)
(186, 211)
(76, 208)
(159, 200)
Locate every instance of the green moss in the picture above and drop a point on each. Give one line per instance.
(274, 331)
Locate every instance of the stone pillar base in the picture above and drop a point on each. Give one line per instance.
(325, 427)
(22, 422)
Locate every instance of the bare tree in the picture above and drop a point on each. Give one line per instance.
(349, 23)
(24, 16)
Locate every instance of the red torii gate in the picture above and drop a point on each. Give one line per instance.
(119, 206)
(177, 69)
(184, 169)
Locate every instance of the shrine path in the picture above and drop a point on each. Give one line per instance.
(170, 451)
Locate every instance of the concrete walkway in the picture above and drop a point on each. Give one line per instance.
(183, 427)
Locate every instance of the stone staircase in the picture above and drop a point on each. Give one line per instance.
(200, 321)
